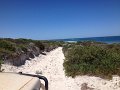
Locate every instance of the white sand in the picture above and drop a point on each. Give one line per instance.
(51, 66)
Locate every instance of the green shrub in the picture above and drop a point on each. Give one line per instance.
(1, 61)
(92, 60)
(23, 41)
(39, 45)
(23, 47)
(50, 45)
(7, 45)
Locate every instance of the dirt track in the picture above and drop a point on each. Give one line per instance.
(51, 66)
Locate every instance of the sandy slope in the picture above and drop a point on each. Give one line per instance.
(51, 66)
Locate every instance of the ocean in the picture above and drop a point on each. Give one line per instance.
(107, 39)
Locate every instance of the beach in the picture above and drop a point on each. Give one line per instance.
(51, 66)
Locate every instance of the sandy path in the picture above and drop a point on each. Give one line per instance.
(51, 66)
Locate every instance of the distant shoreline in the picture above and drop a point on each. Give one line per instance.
(107, 39)
(108, 42)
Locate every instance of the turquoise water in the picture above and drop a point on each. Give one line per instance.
(108, 39)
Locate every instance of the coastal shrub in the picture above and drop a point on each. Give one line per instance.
(7, 45)
(39, 45)
(23, 41)
(92, 60)
(50, 45)
(11, 49)
(23, 47)
(67, 46)
(1, 61)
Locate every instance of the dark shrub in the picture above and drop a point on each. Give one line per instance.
(92, 60)
(7, 45)
(39, 45)
(23, 47)
(1, 61)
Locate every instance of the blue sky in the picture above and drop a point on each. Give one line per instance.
(56, 19)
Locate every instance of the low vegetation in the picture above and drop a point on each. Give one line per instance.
(81, 58)
(1, 61)
(91, 58)
(13, 48)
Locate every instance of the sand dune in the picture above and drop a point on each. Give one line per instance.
(51, 66)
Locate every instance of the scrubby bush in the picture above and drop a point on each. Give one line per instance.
(40, 45)
(1, 61)
(50, 45)
(92, 60)
(23, 47)
(23, 41)
(10, 49)
(7, 45)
